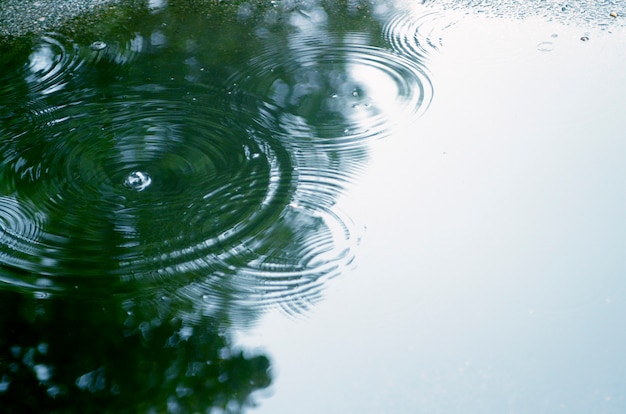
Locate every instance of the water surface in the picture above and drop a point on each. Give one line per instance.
(180, 191)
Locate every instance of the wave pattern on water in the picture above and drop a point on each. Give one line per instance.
(341, 90)
(183, 188)
(416, 34)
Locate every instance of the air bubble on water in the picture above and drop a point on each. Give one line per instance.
(545, 46)
(98, 45)
(138, 180)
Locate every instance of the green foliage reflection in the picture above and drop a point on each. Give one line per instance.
(128, 356)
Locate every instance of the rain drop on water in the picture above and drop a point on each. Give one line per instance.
(138, 180)
(98, 45)
(545, 46)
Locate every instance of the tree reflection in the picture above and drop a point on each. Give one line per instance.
(250, 120)
(62, 355)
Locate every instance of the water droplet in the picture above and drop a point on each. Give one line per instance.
(98, 45)
(138, 180)
(545, 46)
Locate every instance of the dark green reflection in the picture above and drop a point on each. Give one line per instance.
(119, 356)
(193, 146)
(171, 173)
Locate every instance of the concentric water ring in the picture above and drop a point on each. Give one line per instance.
(202, 192)
(416, 35)
(212, 180)
(342, 90)
(211, 194)
(291, 271)
(20, 232)
(51, 65)
(419, 33)
(57, 65)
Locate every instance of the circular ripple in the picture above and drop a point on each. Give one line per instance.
(149, 193)
(20, 232)
(416, 34)
(289, 271)
(157, 186)
(57, 71)
(340, 91)
(51, 64)
(205, 195)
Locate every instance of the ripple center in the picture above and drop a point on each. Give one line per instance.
(138, 180)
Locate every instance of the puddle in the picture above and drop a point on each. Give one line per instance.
(175, 182)
(153, 163)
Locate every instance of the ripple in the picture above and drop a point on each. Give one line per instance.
(138, 180)
(290, 271)
(20, 232)
(57, 66)
(157, 186)
(139, 192)
(51, 64)
(341, 90)
(186, 188)
(416, 34)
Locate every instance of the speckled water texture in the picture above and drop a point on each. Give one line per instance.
(591, 13)
(22, 17)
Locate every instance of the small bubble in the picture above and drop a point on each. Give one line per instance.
(545, 46)
(98, 45)
(138, 180)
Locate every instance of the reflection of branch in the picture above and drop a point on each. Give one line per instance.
(117, 356)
